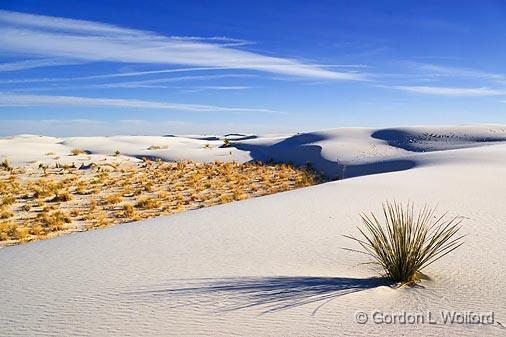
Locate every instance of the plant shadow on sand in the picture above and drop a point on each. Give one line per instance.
(270, 293)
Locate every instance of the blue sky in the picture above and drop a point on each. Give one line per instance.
(157, 67)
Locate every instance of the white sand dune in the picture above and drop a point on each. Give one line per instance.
(271, 266)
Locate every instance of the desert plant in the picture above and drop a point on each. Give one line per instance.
(45, 188)
(36, 229)
(83, 188)
(92, 205)
(102, 219)
(7, 200)
(128, 209)
(77, 152)
(21, 232)
(113, 199)
(226, 143)
(157, 147)
(6, 165)
(54, 220)
(5, 212)
(148, 203)
(62, 196)
(7, 230)
(406, 242)
(74, 212)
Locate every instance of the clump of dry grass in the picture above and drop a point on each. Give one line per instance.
(148, 202)
(83, 188)
(6, 165)
(22, 233)
(226, 143)
(7, 230)
(129, 212)
(62, 196)
(101, 219)
(157, 147)
(114, 198)
(45, 188)
(54, 220)
(77, 152)
(75, 212)
(7, 200)
(405, 241)
(5, 213)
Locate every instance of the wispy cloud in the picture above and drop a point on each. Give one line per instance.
(154, 82)
(108, 76)
(214, 87)
(447, 71)
(140, 73)
(93, 41)
(221, 40)
(36, 63)
(451, 91)
(16, 100)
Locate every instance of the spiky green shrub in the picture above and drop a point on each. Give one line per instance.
(404, 242)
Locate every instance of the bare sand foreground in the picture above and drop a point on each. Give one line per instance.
(273, 266)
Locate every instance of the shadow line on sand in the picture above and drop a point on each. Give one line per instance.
(270, 293)
(429, 142)
(299, 151)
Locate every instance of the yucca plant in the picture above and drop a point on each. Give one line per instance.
(405, 241)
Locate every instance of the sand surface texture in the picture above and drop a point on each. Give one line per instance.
(271, 266)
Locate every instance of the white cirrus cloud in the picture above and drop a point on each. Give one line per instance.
(92, 41)
(451, 91)
(103, 76)
(447, 71)
(154, 82)
(16, 100)
(35, 63)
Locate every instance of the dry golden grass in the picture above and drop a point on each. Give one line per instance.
(157, 147)
(5, 213)
(52, 200)
(62, 196)
(113, 199)
(6, 165)
(148, 202)
(53, 220)
(77, 152)
(7, 230)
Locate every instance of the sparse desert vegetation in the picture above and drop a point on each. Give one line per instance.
(157, 147)
(77, 152)
(38, 202)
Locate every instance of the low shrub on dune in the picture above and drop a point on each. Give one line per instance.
(6, 213)
(77, 152)
(404, 242)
